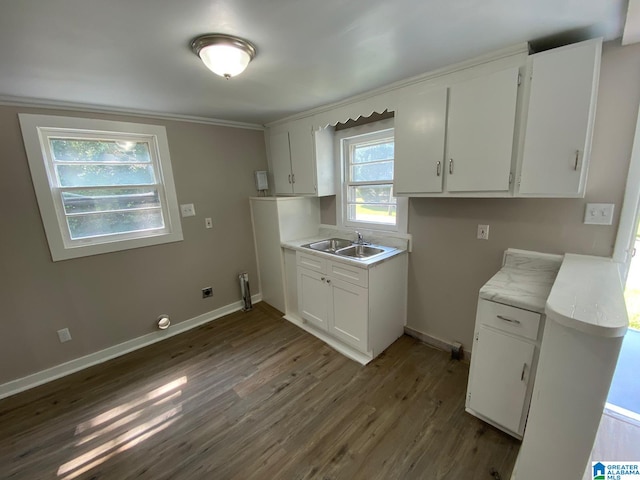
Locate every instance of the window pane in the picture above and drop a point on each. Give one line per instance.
(373, 213)
(83, 201)
(373, 153)
(98, 224)
(371, 194)
(66, 150)
(372, 172)
(99, 175)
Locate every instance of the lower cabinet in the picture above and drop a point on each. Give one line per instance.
(503, 365)
(337, 298)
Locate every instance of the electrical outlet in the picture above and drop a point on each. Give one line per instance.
(188, 210)
(208, 223)
(483, 232)
(64, 335)
(207, 292)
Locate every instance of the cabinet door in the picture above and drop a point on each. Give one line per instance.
(281, 163)
(560, 117)
(420, 123)
(313, 297)
(302, 158)
(500, 371)
(348, 313)
(482, 114)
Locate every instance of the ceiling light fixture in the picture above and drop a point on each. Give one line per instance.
(224, 55)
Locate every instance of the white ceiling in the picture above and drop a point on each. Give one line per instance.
(134, 54)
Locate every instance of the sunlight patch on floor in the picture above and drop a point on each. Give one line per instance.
(128, 415)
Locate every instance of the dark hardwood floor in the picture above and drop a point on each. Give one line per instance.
(252, 396)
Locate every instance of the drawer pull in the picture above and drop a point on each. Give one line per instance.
(322, 278)
(524, 367)
(510, 320)
(328, 281)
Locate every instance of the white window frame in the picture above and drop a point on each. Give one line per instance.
(36, 131)
(343, 138)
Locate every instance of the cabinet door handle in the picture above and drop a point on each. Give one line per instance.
(328, 280)
(438, 165)
(524, 367)
(575, 165)
(510, 320)
(451, 166)
(289, 178)
(293, 178)
(322, 278)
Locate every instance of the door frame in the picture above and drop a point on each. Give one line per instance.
(628, 226)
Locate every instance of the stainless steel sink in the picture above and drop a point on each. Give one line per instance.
(331, 245)
(360, 251)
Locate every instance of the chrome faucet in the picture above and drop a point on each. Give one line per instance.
(359, 239)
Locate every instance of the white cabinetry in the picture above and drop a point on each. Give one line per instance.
(340, 307)
(560, 118)
(480, 128)
(482, 114)
(420, 124)
(276, 220)
(302, 159)
(364, 308)
(503, 365)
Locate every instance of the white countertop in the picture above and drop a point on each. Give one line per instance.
(524, 281)
(588, 296)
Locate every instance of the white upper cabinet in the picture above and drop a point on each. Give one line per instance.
(302, 159)
(281, 162)
(420, 123)
(482, 114)
(560, 118)
(476, 118)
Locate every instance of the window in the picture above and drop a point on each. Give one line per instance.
(102, 186)
(367, 196)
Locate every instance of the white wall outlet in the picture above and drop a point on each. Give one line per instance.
(483, 232)
(188, 210)
(599, 214)
(208, 223)
(64, 335)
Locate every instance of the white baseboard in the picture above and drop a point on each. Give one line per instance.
(435, 342)
(67, 368)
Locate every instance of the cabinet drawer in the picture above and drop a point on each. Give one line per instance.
(348, 273)
(311, 262)
(508, 319)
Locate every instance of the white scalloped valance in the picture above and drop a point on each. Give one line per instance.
(353, 111)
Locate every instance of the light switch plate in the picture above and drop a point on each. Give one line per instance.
(208, 223)
(483, 232)
(188, 210)
(599, 214)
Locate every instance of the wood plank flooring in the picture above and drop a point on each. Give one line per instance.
(251, 396)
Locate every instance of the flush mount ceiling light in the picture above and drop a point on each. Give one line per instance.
(224, 55)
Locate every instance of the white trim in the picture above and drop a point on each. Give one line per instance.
(521, 48)
(438, 343)
(36, 130)
(402, 210)
(30, 102)
(73, 366)
(622, 414)
(630, 205)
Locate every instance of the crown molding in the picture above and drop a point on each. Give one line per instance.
(29, 102)
(518, 49)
